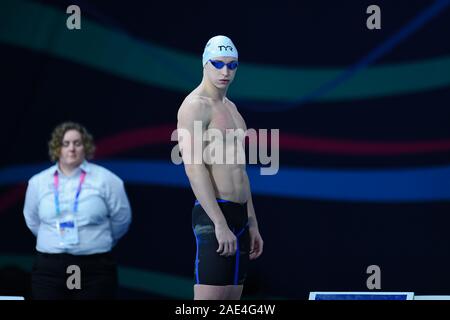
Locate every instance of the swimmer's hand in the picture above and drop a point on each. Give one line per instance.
(256, 243)
(227, 240)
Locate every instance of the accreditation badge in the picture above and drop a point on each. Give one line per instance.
(67, 229)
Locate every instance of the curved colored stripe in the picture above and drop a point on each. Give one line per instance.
(134, 138)
(157, 283)
(293, 142)
(122, 55)
(154, 282)
(105, 147)
(405, 185)
(161, 134)
(12, 196)
(125, 141)
(378, 52)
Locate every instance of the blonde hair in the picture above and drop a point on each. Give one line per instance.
(55, 143)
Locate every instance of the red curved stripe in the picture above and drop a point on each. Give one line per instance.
(290, 142)
(360, 148)
(136, 138)
(133, 139)
(105, 147)
(12, 196)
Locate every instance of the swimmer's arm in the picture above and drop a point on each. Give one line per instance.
(198, 174)
(199, 177)
(252, 221)
(202, 187)
(256, 241)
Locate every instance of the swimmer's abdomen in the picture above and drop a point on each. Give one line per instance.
(229, 182)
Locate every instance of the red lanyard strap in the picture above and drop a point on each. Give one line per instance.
(56, 191)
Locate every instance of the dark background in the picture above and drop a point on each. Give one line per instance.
(320, 242)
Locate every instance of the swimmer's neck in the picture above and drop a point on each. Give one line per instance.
(209, 90)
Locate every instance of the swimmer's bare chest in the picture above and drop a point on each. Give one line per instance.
(225, 116)
(228, 179)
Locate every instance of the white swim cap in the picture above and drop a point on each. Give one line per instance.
(219, 46)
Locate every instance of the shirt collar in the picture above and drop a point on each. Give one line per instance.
(84, 166)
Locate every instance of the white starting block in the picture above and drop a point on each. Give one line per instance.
(368, 295)
(11, 298)
(340, 295)
(431, 297)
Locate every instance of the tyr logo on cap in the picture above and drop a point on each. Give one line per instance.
(225, 48)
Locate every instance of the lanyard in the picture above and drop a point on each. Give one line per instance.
(56, 191)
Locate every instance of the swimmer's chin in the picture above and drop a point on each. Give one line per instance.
(223, 84)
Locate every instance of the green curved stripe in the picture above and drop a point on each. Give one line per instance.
(157, 283)
(43, 28)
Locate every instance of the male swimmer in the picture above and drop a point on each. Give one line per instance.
(223, 216)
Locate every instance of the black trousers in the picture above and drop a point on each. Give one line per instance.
(52, 279)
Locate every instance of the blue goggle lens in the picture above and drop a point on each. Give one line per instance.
(220, 64)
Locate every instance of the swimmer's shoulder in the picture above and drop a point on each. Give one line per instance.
(231, 104)
(195, 107)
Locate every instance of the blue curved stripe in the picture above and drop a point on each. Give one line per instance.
(380, 50)
(395, 185)
(321, 92)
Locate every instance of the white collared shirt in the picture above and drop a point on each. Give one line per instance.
(103, 214)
